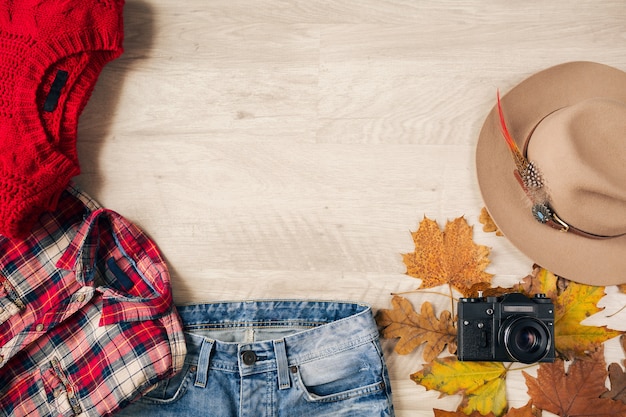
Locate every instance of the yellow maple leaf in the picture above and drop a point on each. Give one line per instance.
(482, 384)
(448, 257)
(416, 329)
(573, 305)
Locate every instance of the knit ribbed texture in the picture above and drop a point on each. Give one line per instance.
(38, 154)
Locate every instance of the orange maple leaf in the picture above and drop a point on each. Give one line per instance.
(448, 257)
(415, 329)
(575, 393)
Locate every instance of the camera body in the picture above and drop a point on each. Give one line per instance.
(509, 328)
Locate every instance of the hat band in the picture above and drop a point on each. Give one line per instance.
(545, 214)
(529, 178)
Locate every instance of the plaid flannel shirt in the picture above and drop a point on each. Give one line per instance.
(87, 321)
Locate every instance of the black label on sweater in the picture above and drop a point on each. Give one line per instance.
(55, 91)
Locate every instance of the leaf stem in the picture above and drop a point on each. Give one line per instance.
(521, 368)
(451, 301)
(418, 291)
(617, 312)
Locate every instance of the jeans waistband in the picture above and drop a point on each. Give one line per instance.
(271, 335)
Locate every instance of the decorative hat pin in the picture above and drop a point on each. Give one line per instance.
(529, 177)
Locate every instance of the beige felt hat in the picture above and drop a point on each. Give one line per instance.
(564, 203)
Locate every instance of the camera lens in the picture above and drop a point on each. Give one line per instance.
(526, 339)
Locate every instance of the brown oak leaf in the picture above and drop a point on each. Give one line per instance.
(415, 329)
(448, 257)
(488, 223)
(575, 392)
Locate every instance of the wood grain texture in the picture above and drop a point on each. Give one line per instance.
(285, 149)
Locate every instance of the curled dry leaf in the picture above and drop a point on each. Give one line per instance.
(448, 257)
(618, 383)
(540, 281)
(487, 290)
(488, 224)
(415, 329)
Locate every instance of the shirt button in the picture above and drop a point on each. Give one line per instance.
(249, 357)
(39, 327)
(80, 298)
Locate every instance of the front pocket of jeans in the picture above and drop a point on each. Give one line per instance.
(170, 390)
(352, 373)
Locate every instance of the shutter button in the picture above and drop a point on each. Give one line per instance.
(249, 357)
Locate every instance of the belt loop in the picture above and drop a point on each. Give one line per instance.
(282, 364)
(204, 360)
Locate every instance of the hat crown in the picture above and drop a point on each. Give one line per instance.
(580, 152)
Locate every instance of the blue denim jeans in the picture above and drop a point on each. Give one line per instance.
(275, 358)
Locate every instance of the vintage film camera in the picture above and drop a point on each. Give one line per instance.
(510, 328)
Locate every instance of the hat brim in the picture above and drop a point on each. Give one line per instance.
(580, 259)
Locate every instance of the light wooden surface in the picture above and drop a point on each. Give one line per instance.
(286, 149)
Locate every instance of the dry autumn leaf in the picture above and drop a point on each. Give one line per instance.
(443, 413)
(540, 281)
(448, 257)
(486, 290)
(618, 383)
(576, 303)
(415, 329)
(618, 378)
(488, 223)
(482, 384)
(527, 411)
(575, 393)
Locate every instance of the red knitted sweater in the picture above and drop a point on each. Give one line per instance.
(51, 53)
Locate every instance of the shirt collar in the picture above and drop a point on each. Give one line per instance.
(134, 277)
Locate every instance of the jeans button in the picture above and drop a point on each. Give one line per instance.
(249, 357)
